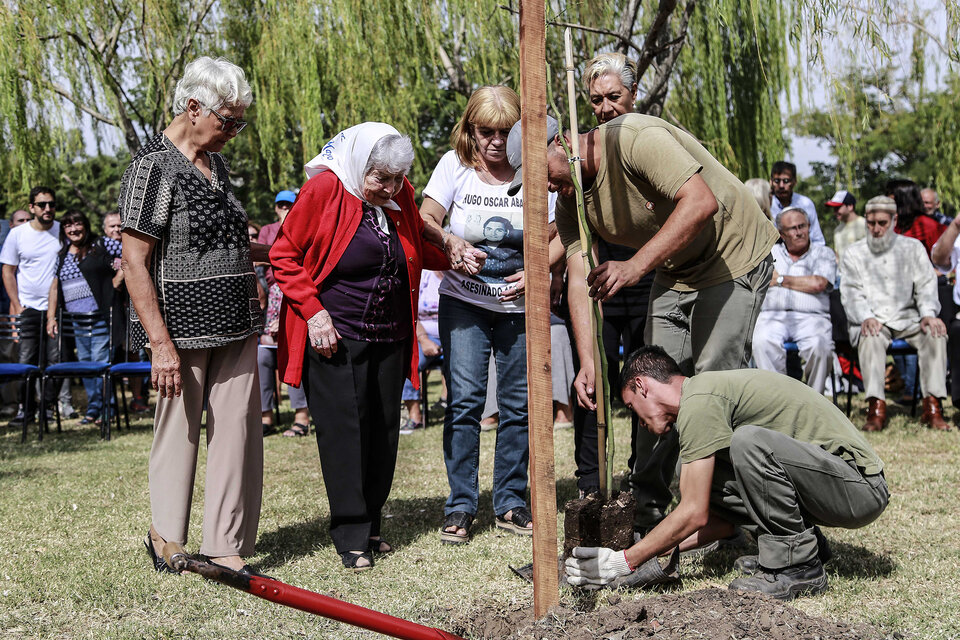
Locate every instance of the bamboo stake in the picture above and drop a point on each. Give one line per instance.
(543, 491)
(601, 384)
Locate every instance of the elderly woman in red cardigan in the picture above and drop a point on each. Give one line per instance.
(348, 259)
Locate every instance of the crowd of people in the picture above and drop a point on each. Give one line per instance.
(356, 287)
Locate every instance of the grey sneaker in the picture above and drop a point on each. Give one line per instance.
(787, 583)
(67, 411)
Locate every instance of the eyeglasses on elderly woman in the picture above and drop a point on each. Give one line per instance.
(229, 124)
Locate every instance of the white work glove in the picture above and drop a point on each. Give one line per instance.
(595, 565)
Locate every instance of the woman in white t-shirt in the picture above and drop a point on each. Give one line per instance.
(482, 312)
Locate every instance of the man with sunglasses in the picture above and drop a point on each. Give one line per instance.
(29, 258)
(783, 178)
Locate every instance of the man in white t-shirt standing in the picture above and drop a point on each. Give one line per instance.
(29, 258)
(783, 178)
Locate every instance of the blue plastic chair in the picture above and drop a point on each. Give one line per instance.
(11, 330)
(76, 325)
(116, 374)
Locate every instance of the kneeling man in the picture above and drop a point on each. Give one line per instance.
(757, 449)
(797, 306)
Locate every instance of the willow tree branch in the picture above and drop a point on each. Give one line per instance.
(583, 27)
(657, 92)
(63, 92)
(83, 198)
(658, 27)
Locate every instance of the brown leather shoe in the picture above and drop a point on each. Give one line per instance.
(933, 415)
(876, 415)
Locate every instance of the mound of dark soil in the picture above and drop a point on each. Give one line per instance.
(708, 613)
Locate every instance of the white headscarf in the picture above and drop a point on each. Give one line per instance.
(346, 155)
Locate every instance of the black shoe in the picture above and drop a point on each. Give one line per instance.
(748, 565)
(787, 583)
(159, 564)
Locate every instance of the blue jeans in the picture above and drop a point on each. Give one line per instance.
(467, 334)
(95, 348)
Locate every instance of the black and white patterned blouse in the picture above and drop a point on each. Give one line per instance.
(201, 266)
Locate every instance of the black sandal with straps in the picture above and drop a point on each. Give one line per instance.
(517, 521)
(351, 558)
(458, 520)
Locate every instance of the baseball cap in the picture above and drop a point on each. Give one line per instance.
(514, 144)
(841, 198)
(286, 196)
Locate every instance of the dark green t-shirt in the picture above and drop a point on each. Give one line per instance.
(714, 403)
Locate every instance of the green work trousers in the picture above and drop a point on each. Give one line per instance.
(784, 487)
(710, 329)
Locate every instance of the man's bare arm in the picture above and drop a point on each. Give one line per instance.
(690, 516)
(695, 206)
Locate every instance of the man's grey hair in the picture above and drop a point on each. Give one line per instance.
(788, 210)
(615, 64)
(391, 154)
(214, 83)
(934, 192)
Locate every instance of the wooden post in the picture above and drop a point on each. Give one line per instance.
(533, 117)
(599, 370)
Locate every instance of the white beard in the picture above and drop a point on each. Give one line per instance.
(883, 243)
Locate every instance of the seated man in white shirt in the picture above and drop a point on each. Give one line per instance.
(889, 291)
(797, 305)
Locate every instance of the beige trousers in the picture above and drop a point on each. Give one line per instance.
(227, 378)
(872, 352)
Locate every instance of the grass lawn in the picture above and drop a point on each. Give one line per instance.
(74, 511)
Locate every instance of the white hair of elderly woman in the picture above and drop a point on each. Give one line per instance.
(615, 64)
(391, 154)
(214, 83)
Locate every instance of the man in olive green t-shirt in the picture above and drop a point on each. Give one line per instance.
(758, 449)
(651, 186)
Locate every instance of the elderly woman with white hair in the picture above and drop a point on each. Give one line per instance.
(188, 264)
(348, 260)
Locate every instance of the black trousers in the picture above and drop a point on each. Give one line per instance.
(34, 323)
(629, 330)
(354, 398)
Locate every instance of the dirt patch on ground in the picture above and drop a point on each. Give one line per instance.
(708, 613)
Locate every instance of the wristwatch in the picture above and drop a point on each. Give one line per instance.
(779, 281)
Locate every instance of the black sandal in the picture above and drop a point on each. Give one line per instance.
(351, 558)
(517, 522)
(159, 564)
(377, 544)
(459, 520)
(298, 430)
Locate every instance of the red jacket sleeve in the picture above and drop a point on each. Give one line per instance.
(288, 252)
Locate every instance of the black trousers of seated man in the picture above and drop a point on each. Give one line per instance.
(784, 487)
(354, 398)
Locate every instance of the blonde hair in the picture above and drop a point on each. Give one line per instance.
(496, 107)
(615, 64)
